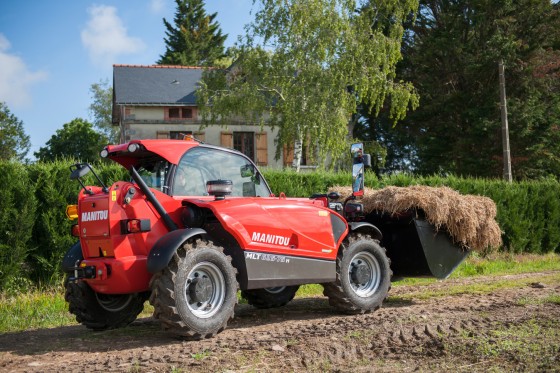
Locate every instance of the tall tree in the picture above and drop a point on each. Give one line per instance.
(452, 57)
(14, 143)
(195, 39)
(305, 66)
(77, 139)
(101, 110)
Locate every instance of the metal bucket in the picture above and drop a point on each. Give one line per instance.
(416, 248)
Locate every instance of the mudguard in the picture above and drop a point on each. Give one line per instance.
(363, 225)
(73, 255)
(166, 246)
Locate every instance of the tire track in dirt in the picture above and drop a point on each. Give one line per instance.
(307, 334)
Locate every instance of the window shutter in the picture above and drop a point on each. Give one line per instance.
(226, 139)
(162, 135)
(199, 136)
(262, 149)
(288, 155)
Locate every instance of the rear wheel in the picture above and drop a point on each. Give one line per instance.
(195, 295)
(363, 276)
(102, 311)
(270, 297)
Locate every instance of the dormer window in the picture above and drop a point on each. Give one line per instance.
(179, 113)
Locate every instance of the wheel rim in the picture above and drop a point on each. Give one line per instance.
(113, 303)
(275, 290)
(205, 289)
(364, 274)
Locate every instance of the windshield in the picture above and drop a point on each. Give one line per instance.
(200, 165)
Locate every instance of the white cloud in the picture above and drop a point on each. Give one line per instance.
(15, 78)
(157, 5)
(105, 36)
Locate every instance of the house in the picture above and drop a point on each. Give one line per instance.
(158, 102)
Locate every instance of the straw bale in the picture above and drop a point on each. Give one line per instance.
(469, 219)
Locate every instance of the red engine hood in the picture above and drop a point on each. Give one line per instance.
(286, 226)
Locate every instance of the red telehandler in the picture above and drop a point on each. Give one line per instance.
(197, 222)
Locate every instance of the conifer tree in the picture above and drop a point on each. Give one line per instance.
(194, 38)
(14, 142)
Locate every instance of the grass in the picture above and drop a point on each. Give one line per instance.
(553, 299)
(34, 309)
(527, 341)
(46, 308)
(494, 265)
(478, 288)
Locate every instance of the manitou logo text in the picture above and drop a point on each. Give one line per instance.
(95, 215)
(270, 238)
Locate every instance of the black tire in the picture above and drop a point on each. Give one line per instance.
(195, 296)
(363, 276)
(270, 297)
(102, 311)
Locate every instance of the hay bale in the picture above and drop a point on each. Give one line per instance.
(469, 219)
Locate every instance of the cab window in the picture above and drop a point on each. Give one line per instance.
(200, 165)
(155, 174)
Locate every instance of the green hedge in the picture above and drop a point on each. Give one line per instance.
(35, 232)
(18, 207)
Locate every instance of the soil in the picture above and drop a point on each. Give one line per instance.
(458, 332)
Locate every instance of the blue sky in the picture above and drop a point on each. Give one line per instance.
(51, 52)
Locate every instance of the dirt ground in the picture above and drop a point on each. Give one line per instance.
(512, 329)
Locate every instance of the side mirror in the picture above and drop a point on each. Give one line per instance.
(358, 165)
(357, 150)
(247, 171)
(367, 160)
(79, 170)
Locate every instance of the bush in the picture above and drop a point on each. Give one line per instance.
(51, 233)
(17, 214)
(35, 232)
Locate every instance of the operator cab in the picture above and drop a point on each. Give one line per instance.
(182, 168)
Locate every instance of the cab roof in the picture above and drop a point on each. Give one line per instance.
(170, 150)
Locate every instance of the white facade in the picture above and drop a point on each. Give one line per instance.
(153, 122)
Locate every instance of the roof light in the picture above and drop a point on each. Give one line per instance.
(133, 147)
(219, 188)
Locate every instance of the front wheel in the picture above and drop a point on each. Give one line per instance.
(195, 295)
(102, 311)
(363, 276)
(270, 297)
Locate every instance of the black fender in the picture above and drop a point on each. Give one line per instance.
(166, 246)
(368, 227)
(73, 255)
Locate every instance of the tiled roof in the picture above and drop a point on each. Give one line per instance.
(155, 85)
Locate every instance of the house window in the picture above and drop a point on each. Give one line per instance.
(162, 135)
(179, 113)
(289, 155)
(179, 135)
(245, 143)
